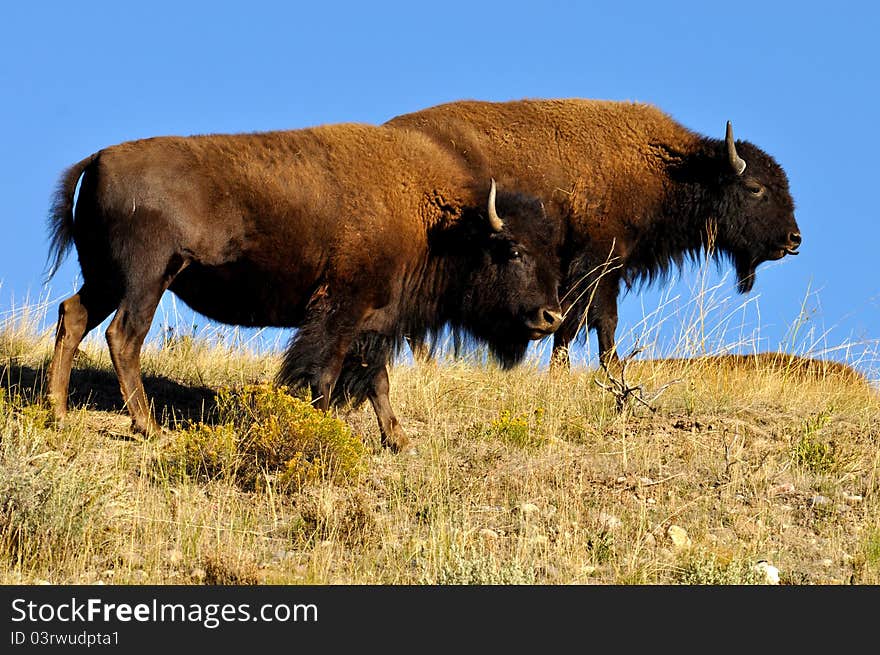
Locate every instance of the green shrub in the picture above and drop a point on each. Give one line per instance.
(708, 569)
(522, 430)
(815, 455)
(265, 434)
(462, 566)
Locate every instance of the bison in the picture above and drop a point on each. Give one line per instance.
(357, 235)
(633, 192)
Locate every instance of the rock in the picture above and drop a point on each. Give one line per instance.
(679, 537)
(820, 501)
(784, 489)
(768, 571)
(608, 522)
(488, 534)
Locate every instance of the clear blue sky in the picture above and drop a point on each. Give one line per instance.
(801, 80)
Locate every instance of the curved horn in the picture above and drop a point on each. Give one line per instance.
(496, 223)
(737, 163)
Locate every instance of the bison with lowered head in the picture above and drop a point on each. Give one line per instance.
(633, 191)
(357, 235)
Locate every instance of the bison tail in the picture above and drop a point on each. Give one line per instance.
(61, 214)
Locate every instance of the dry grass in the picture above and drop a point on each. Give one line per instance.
(518, 477)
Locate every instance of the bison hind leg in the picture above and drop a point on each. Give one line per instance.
(77, 316)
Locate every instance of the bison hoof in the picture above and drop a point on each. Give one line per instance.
(148, 429)
(397, 441)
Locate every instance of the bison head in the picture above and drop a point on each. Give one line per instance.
(510, 294)
(755, 210)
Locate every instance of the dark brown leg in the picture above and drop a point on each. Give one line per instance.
(125, 337)
(393, 435)
(77, 315)
(602, 315)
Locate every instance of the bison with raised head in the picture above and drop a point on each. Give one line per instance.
(633, 191)
(358, 235)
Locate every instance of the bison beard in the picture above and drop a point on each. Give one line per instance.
(357, 235)
(634, 193)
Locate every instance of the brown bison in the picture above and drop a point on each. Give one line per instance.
(358, 235)
(633, 191)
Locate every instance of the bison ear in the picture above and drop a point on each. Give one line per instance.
(737, 163)
(494, 221)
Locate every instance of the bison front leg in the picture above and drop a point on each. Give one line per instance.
(602, 316)
(392, 434)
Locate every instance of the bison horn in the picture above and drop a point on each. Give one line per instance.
(496, 223)
(737, 163)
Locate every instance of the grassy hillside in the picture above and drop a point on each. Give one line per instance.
(524, 476)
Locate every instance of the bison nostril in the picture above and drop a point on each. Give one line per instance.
(794, 237)
(551, 317)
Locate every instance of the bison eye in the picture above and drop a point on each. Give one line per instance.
(515, 254)
(755, 189)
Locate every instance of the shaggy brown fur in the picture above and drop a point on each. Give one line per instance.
(358, 235)
(635, 193)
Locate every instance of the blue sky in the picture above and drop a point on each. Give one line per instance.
(799, 80)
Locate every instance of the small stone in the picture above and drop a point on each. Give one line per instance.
(820, 501)
(488, 534)
(651, 501)
(621, 479)
(770, 572)
(527, 509)
(853, 499)
(650, 540)
(785, 489)
(679, 537)
(43, 582)
(646, 481)
(99, 582)
(608, 522)
(198, 574)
